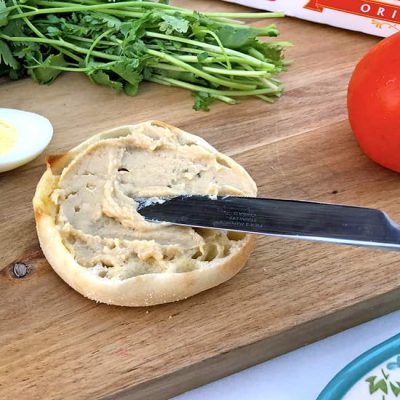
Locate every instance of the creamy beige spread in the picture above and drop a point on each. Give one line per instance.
(97, 215)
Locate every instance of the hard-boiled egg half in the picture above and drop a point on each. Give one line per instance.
(23, 136)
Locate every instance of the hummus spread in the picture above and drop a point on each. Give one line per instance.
(97, 216)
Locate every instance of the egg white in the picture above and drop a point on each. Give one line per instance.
(34, 133)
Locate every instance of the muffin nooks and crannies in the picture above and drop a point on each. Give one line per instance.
(93, 237)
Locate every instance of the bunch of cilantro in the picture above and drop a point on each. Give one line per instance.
(122, 43)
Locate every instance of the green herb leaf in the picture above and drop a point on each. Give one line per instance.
(128, 70)
(100, 19)
(134, 48)
(109, 20)
(6, 56)
(102, 78)
(53, 31)
(236, 38)
(130, 89)
(202, 56)
(3, 13)
(28, 53)
(202, 101)
(46, 73)
(135, 29)
(172, 24)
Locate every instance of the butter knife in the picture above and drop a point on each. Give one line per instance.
(295, 219)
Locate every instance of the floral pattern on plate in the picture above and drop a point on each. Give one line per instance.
(374, 375)
(382, 383)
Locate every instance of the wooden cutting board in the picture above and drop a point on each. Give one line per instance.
(55, 344)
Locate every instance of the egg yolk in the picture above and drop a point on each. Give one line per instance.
(8, 136)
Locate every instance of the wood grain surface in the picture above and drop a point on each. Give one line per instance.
(55, 344)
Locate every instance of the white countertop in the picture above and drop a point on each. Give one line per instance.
(303, 373)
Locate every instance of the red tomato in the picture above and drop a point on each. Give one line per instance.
(374, 103)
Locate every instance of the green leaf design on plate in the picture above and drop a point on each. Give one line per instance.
(395, 388)
(376, 386)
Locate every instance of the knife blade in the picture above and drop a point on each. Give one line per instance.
(341, 224)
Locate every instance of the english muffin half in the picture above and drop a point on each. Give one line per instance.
(96, 241)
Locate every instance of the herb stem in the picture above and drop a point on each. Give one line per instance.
(174, 82)
(198, 72)
(61, 68)
(166, 7)
(166, 67)
(222, 48)
(216, 49)
(60, 43)
(87, 40)
(226, 99)
(18, 6)
(265, 98)
(54, 7)
(253, 15)
(213, 59)
(235, 72)
(256, 54)
(94, 44)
